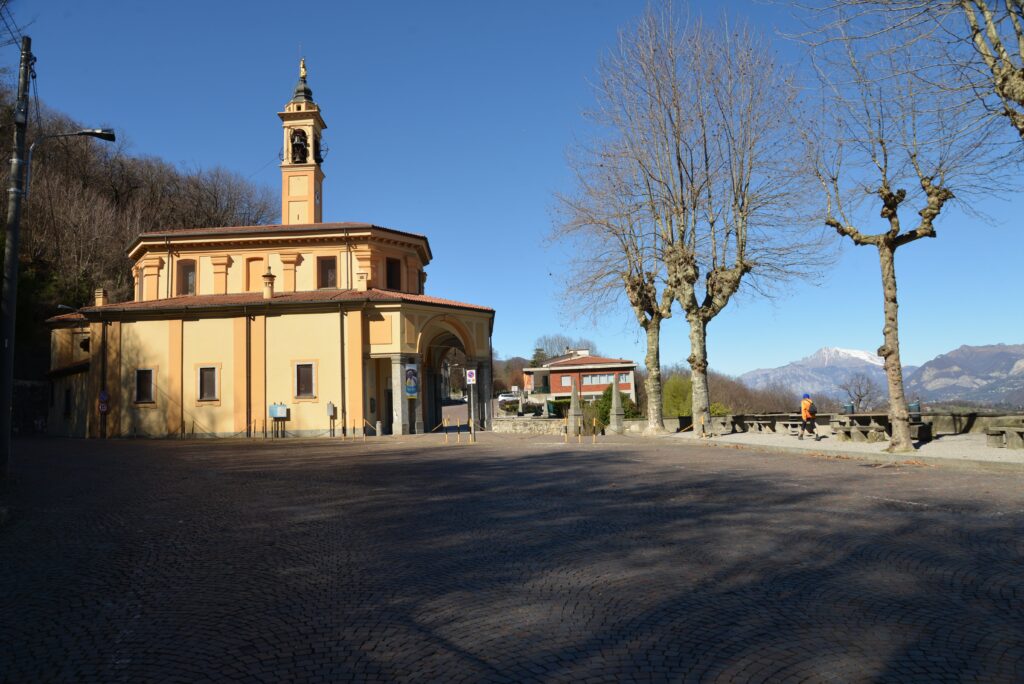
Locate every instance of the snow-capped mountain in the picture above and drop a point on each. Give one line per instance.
(821, 372)
(989, 374)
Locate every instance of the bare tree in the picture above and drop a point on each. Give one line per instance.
(700, 179)
(972, 45)
(555, 345)
(862, 391)
(892, 144)
(618, 254)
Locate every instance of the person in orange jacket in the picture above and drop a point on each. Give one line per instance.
(807, 413)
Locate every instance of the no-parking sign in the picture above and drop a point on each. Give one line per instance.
(470, 377)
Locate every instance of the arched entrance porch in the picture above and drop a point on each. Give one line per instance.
(440, 338)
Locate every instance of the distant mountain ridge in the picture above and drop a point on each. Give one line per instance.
(991, 373)
(820, 373)
(987, 374)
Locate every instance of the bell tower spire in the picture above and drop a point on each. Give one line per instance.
(301, 176)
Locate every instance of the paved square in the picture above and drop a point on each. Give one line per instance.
(514, 560)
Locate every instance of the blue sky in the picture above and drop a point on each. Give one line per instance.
(452, 119)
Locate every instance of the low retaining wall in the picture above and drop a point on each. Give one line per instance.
(528, 425)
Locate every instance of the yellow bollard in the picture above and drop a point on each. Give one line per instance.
(445, 422)
(458, 432)
(594, 426)
(565, 429)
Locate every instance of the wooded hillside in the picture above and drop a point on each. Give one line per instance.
(88, 200)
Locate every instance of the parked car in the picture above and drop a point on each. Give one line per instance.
(508, 396)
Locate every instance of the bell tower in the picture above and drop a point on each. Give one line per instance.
(301, 176)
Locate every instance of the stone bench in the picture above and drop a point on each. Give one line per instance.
(759, 424)
(792, 426)
(1008, 436)
(859, 433)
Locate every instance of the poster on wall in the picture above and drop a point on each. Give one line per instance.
(412, 381)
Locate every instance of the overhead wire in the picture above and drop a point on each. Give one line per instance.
(10, 24)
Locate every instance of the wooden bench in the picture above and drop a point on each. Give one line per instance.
(1008, 436)
(859, 433)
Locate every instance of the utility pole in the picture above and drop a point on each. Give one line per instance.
(10, 282)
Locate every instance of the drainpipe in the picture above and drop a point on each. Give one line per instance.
(248, 373)
(170, 271)
(103, 376)
(341, 354)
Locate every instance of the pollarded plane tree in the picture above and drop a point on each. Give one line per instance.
(893, 152)
(976, 46)
(618, 253)
(701, 123)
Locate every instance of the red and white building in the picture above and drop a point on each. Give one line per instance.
(555, 378)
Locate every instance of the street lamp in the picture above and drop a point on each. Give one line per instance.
(101, 133)
(15, 192)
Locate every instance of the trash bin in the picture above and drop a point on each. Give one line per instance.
(914, 408)
(848, 407)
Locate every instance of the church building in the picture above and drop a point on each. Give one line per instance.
(306, 328)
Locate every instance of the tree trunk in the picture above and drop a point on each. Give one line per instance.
(698, 361)
(899, 416)
(655, 421)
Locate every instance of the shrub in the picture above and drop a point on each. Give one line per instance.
(676, 396)
(718, 409)
(603, 404)
(560, 408)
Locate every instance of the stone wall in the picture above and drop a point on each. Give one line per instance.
(529, 426)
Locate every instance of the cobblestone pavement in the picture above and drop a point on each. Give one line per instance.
(511, 560)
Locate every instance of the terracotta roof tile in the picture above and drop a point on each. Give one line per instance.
(589, 361)
(273, 228)
(194, 302)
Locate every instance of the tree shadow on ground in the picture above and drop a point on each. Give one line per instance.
(403, 562)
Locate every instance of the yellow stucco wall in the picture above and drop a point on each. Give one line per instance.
(70, 388)
(144, 344)
(209, 342)
(205, 275)
(304, 338)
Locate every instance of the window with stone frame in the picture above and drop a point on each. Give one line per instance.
(208, 385)
(394, 274)
(186, 284)
(144, 386)
(305, 381)
(326, 272)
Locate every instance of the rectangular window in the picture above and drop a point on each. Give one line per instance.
(566, 381)
(144, 386)
(394, 274)
(186, 277)
(208, 390)
(304, 381)
(326, 272)
(419, 281)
